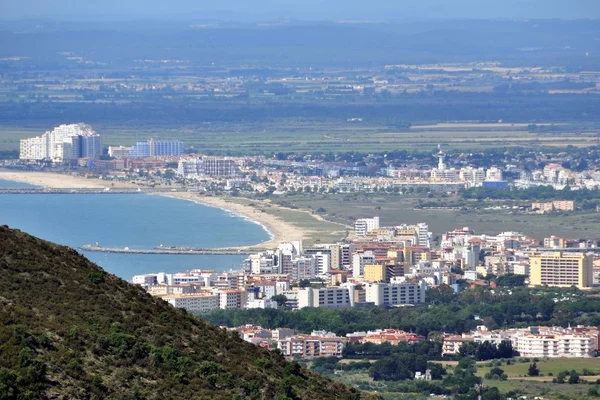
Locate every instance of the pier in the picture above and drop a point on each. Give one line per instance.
(175, 250)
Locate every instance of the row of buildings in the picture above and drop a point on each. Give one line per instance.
(204, 291)
(540, 342)
(150, 148)
(533, 342)
(76, 141)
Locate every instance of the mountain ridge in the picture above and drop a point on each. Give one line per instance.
(72, 331)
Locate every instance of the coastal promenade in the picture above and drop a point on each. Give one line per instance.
(175, 250)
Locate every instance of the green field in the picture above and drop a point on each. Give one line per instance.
(318, 230)
(397, 209)
(306, 136)
(517, 380)
(542, 385)
(552, 365)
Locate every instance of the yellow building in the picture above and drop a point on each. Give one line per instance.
(561, 269)
(375, 273)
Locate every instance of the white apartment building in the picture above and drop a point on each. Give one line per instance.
(232, 298)
(554, 345)
(363, 226)
(329, 297)
(424, 235)
(63, 143)
(204, 302)
(322, 262)
(262, 263)
(493, 174)
(393, 294)
(472, 176)
(119, 151)
(261, 303)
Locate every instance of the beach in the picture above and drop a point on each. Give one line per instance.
(63, 181)
(279, 229)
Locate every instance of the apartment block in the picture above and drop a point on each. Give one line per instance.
(394, 294)
(329, 297)
(561, 269)
(204, 302)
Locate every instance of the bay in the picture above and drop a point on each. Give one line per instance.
(136, 221)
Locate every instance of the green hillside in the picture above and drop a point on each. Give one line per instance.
(69, 330)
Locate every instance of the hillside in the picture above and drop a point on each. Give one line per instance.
(69, 330)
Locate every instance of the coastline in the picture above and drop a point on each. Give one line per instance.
(278, 229)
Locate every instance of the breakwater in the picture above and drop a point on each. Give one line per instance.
(175, 250)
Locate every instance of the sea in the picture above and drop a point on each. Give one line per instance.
(137, 221)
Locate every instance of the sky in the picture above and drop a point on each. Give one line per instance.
(92, 10)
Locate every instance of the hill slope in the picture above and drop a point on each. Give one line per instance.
(69, 330)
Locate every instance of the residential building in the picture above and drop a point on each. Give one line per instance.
(208, 166)
(561, 269)
(318, 344)
(63, 143)
(493, 174)
(395, 294)
(553, 206)
(232, 298)
(392, 336)
(359, 260)
(328, 297)
(363, 226)
(548, 344)
(451, 343)
(199, 302)
(154, 147)
(119, 151)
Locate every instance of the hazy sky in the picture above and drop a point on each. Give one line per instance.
(301, 9)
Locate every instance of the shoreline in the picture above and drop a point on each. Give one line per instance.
(279, 230)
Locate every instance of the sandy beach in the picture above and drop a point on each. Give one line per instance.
(280, 230)
(63, 181)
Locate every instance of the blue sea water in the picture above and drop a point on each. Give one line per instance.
(136, 221)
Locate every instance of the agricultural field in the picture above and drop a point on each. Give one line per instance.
(318, 135)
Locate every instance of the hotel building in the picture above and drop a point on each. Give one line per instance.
(561, 269)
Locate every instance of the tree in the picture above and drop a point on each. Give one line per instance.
(533, 370)
(573, 378)
(280, 299)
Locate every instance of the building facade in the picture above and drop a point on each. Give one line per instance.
(560, 269)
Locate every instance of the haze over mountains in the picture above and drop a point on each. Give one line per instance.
(305, 9)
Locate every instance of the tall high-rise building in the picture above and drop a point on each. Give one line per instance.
(63, 143)
(561, 269)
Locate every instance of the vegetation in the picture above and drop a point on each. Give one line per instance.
(71, 331)
(448, 312)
